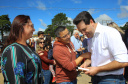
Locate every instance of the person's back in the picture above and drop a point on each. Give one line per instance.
(126, 43)
(126, 38)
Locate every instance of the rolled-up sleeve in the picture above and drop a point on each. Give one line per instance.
(117, 47)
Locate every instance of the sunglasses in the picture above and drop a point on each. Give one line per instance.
(41, 42)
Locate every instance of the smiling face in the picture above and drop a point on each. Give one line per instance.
(64, 36)
(87, 30)
(41, 43)
(28, 30)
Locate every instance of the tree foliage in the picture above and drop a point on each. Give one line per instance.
(59, 20)
(5, 24)
(125, 26)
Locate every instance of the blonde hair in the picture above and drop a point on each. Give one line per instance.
(114, 25)
(37, 45)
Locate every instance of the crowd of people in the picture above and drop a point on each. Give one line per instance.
(101, 49)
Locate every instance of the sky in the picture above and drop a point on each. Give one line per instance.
(42, 12)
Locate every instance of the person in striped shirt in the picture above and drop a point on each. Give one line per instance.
(20, 64)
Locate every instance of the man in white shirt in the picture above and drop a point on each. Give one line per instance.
(109, 53)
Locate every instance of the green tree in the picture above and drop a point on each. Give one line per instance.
(5, 24)
(125, 26)
(50, 30)
(59, 20)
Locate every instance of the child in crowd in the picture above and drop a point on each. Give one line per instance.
(48, 48)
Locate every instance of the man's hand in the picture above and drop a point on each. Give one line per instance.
(92, 71)
(86, 63)
(114, 65)
(79, 49)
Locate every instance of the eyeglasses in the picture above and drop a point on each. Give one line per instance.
(42, 42)
(32, 25)
(69, 33)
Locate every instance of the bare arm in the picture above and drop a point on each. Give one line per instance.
(114, 65)
(84, 55)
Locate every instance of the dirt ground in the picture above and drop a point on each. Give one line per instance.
(1, 78)
(81, 79)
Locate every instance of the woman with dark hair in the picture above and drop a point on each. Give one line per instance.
(49, 49)
(19, 64)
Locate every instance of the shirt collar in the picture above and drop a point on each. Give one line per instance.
(98, 28)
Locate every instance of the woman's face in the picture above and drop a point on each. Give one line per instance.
(28, 30)
(41, 44)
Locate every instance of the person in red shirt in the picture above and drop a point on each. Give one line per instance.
(45, 61)
(65, 57)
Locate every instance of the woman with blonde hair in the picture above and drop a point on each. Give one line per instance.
(40, 45)
(114, 25)
(44, 59)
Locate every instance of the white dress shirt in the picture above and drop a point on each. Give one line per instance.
(106, 46)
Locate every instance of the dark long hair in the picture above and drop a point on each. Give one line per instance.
(17, 29)
(48, 42)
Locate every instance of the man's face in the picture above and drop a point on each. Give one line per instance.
(76, 35)
(41, 36)
(64, 36)
(87, 30)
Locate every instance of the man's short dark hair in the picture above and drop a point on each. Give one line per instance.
(83, 16)
(58, 30)
(40, 32)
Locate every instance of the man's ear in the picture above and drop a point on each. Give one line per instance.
(91, 22)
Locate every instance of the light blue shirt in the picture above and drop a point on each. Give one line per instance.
(76, 42)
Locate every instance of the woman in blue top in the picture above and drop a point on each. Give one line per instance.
(19, 64)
